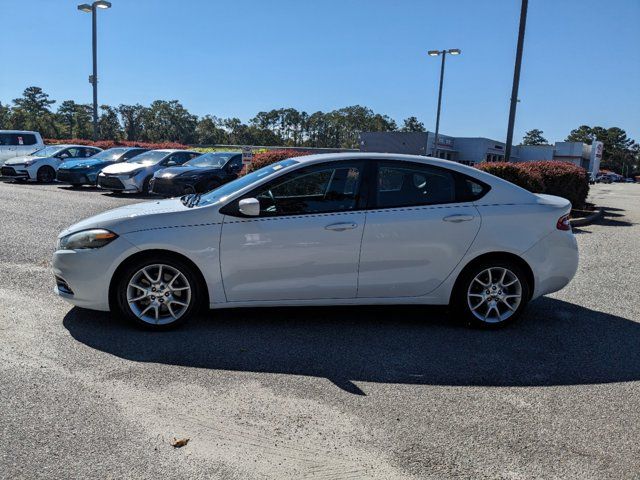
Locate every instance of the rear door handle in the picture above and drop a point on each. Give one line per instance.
(339, 227)
(458, 218)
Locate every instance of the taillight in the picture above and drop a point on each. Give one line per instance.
(563, 223)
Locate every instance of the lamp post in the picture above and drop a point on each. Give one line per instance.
(435, 53)
(93, 79)
(516, 79)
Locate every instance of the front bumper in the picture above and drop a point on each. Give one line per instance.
(75, 178)
(83, 277)
(14, 173)
(118, 183)
(167, 187)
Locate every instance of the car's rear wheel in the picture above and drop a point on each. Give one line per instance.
(46, 174)
(491, 294)
(158, 293)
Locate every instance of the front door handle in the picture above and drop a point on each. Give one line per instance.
(339, 227)
(458, 218)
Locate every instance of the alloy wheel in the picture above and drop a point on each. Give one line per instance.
(494, 295)
(158, 294)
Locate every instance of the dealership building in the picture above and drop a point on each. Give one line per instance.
(472, 150)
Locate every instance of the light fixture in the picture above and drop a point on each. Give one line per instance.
(433, 53)
(102, 4)
(85, 8)
(455, 51)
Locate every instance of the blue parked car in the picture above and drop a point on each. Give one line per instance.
(86, 170)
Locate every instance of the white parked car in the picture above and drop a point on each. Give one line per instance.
(135, 174)
(337, 229)
(18, 143)
(42, 165)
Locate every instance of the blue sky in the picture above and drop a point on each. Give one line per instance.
(581, 58)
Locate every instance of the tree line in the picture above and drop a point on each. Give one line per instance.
(170, 121)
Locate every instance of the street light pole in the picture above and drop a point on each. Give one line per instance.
(435, 144)
(435, 53)
(93, 79)
(516, 79)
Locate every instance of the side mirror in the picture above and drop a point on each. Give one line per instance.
(249, 207)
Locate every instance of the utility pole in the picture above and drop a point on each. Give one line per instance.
(516, 79)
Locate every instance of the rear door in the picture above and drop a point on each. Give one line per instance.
(417, 230)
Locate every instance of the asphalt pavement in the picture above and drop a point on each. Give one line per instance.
(318, 393)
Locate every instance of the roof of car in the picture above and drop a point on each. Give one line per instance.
(69, 145)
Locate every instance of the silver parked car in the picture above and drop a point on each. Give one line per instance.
(134, 175)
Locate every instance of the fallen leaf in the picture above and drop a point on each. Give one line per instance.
(177, 443)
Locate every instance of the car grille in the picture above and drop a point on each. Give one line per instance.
(165, 186)
(69, 177)
(110, 182)
(8, 171)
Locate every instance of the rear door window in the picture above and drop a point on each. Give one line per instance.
(403, 184)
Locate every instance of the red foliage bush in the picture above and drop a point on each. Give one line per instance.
(563, 179)
(272, 156)
(512, 172)
(104, 144)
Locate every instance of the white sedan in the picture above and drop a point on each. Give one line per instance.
(42, 165)
(337, 229)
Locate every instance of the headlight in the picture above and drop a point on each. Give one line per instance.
(28, 163)
(133, 173)
(95, 238)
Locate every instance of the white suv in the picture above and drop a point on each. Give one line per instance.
(18, 143)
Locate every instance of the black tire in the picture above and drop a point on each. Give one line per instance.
(469, 292)
(146, 190)
(131, 271)
(46, 174)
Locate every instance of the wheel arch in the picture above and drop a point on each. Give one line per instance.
(157, 253)
(504, 256)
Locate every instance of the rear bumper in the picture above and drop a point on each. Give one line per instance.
(554, 261)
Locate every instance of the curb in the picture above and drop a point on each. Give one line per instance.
(581, 222)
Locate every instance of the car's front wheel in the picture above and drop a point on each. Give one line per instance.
(491, 294)
(158, 293)
(46, 174)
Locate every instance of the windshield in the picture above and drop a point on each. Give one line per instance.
(49, 151)
(110, 155)
(210, 160)
(230, 188)
(149, 158)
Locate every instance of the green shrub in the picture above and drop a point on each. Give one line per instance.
(272, 156)
(563, 179)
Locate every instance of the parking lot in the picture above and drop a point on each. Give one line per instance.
(326, 393)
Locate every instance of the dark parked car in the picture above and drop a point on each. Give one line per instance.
(199, 175)
(85, 171)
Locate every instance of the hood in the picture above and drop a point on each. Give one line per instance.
(185, 170)
(125, 167)
(20, 160)
(146, 216)
(71, 164)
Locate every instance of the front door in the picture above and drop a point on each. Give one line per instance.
(417, 230)
(306, 242)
